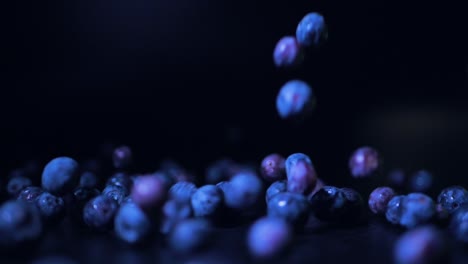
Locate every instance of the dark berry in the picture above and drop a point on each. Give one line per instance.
(99, 212)
(295, 99)
(30, 194)
(131, 224)
(312, 30)
(207, 201)
(174, 212)
(122, 157)
(60, 175)
(17, 184)
(288, 53)
(182, 191)
(459, 224)
(364, 162)
(301, 178)
(117, 193)
(20, 222)
(268, 237)
(418, 209)
(190, 235)
(120, 179)
(379, 199)
(244, 191)
(51, 207)
(272, 168)
(421, 181)
(292, 207)
(275, 188)
(88, 180)
(452, 198)
(220, 170)
(148, 191)
(395, 209)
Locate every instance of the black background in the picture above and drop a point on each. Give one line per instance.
(194, 81)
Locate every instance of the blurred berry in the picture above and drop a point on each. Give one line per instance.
(174, 212)
(418, 209)
(182, 191)
(292, 207)
(88, 180)
(60, 175)
(459, 224)
(379, 199)
(421, 181)
(20, 222)
(116, 193)
(396, 179)
(364, 162)
(220, 170)
(421, 245)
(51, 207)
(120, 179)
(30, 194)
(122, 157)
(207, 201)
(245, 191)
(131, 224)
(312, 30)
(190, 235)
(301, 178)
(395, 209)
(275, 188)
(17, 184)
(452, 198)
(272, 168)
(268, 237)
(295, 99)
(80, 198)
(288, 53)
(148, 191)
(99, 212)
(293, 159)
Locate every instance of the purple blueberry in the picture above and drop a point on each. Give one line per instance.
(51, 207)
(379, 199)
(293, 159)
(182, 191)
(17, 184)
(452, 198)
(207, 201)
(122, 157)
(148, 191)
(459, 224)
(120, 179)
(364, 162)
(275, 188)
(312, 30)
(273, 168)
(174, 212)
(288, 53)
(117, 193)
(190, 235)
(292, 207)
(88, 180)
(60, 175)
(131, 224)
(244, 191)
(268, 237)
(30, 194)
(421, 181)
(99, 212)
(295, 99)
(395, 209)
(421, 245)
(301, 178)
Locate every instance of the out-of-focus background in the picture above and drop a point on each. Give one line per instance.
(195, 80)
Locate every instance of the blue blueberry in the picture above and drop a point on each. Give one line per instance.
(17, 184)
(395, 209)
(292, 207)
(80, 198)
(272, 168)
(379, 199)
(459, 224)
(364, 162)
(312, 30)
(182, 191)
(294, 100)
(190, 235)
(301, 178)
(149, 191)
(122, 157)
(268, 237)
(207, 201)
(120, 179)
(293, 159)
(117, 193)
(288, 53)
(245, 191)
(275, 188)
(421, 181)
(60, 175)
(174, 212)
(453, 197)
(99, 212)
(424, 244)
(30, 194)
(88, 180)
(131, 224)
(51, 207)
(220, 170)
(20, 222)
(418, 209)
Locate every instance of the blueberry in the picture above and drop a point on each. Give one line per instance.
(245, 190)
(459, 224)
(122, 157)
(338, 205)
(452, 198)
(51, 207)
(418, 209)
(273, 168)
(292, 207)
(220, 170)
(312, 30)
(20, 222)
(379, 199)
(421, 245)
(16, 184)
(275, 188)
(30, 194)
(364, 162)
(60, 175)
(174, 212)
(207, 201)
(421, 181)
(182, 191)
(115, 192)
(99, 212)
(120, 179)
(268, 237)
(88, 179)
(288, 53)
(190, 235)
(293, 159)
(131, 224)
(301, 178)
(294, 100)
(396, 178)
(395, 209)
(148, 191)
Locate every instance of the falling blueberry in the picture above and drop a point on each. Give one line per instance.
(364, 162)
(268, 237)
(149, 191)
(273, 168)
(60, 175)
(312, 30)
(379, 199)
(122, 157)
(295, 99)
(288, 53)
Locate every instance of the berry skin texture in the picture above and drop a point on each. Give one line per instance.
(190, 235)
(273, 168)
(379, 199)
(292, 207)
(394, 209)
(244, 191)
(60, 175)
(452, 198)
(122, 157)
(421, 181)
(174, 212)
(295, 99)
(459, 224)
(269, 237)
(293, 159)
(288, 53)
(421, 245)
(17, 184)
(131, 224)
(148, 191)
(275, 188)
(19, 222)
(207, 201)
(301, 178)
(51, 207)
(120, 179)
(364, 162)
(115, 192)
(30, 194)
(99, 212)
(311, 30)
(182, 191)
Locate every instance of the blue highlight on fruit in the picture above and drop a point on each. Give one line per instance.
(312, 30)
(295, 99)
(288, 53)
